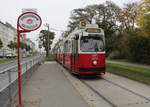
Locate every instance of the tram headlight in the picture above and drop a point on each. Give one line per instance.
(94, 62)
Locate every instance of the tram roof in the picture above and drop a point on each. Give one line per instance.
(79, 30)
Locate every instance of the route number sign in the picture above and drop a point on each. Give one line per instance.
(29, 21)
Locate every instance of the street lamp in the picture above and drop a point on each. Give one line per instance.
(47, 25)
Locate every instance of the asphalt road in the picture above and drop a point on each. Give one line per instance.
(12, 63)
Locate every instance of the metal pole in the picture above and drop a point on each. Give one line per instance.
(47, 25)
(19, 73)
(18, 48)
(48, 38)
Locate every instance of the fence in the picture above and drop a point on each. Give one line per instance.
(8, 79)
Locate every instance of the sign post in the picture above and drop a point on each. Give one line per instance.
(27, 22)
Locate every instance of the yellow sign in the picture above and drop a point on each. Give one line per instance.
(83, 24)
(92, 30)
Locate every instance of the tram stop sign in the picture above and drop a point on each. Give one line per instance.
(29, 21)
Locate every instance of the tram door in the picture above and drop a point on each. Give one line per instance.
(74, 54)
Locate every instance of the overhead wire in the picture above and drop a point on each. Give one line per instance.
(85, 1)
(57, 30)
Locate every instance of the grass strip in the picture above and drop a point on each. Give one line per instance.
(12, 59)
(7, 60)
(121, 60)
(135, 73)
(50, 58)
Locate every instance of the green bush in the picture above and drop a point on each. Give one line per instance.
(130, 45)
(139, 48)
(112, 44)
(50, 58)
(117, 45)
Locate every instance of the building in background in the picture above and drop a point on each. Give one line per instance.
(7, 34)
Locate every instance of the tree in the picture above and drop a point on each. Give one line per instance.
(27, 47)
(107, 17)
(12, 45)
(143, 17)
(46, 38)
(1, 44)
(22, 45)
(103, 14)
(139, 48)
(128, 16)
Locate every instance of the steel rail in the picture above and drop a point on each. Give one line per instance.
(124, 88)
(99, 94)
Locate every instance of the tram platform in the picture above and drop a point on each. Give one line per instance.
(48, 87)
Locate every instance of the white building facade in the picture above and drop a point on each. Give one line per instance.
(7, 33)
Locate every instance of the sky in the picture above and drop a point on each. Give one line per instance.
(54, 12)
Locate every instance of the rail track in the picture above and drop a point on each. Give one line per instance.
(111, 103)
(122, 87)
(99, 94)
(110, 90)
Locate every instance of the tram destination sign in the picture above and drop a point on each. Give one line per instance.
(29, 21)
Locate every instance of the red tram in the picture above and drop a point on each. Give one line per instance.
(83, 51)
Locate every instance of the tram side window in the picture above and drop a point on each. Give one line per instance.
(61, 49)
(67, 46)
(75, 46)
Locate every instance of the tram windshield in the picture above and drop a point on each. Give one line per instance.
(91, 44)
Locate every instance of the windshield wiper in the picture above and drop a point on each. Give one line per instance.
(96, 47)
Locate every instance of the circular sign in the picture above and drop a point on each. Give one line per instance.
(29, 21)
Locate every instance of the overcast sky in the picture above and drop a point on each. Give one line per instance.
(54, 12)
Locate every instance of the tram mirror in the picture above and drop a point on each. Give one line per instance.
(76, 36)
